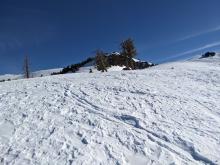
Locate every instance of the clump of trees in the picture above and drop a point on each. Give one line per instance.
(124, 58)
(73, 68)
(104, 60)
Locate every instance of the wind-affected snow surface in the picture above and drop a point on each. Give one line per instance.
(168, 114)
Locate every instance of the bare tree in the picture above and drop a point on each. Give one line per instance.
(26, 67)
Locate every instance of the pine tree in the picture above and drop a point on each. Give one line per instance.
(101, 61)
(128, 50)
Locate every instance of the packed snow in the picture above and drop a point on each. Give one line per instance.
(167, 114)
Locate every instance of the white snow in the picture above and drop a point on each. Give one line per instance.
(86, 69)
(40, 73)
(167, 114)
(91, 65)
(136, 60)
(6, 130)
(47, 72)
(115, 53)
(10, 76)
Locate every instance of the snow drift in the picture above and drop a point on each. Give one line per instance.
(167, 114)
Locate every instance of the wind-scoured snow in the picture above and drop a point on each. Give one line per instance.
(167, 114)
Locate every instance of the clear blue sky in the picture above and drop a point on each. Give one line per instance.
(55, 33)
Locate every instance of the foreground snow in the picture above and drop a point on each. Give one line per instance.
(168, 114)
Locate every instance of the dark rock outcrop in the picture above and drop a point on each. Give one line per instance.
(208, 54)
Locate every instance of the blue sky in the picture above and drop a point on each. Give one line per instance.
(55, 33)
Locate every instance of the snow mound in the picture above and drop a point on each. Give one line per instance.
(167, 114)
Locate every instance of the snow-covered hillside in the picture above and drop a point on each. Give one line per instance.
(40, 73)
(47, 72)
(167, 114)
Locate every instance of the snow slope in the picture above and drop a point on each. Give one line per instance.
(47, 72)
(167, 114)
(11, 77)
(39, 73)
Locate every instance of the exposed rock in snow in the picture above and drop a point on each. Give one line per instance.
(167, 114)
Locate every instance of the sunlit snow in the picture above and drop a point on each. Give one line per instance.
(167, 114)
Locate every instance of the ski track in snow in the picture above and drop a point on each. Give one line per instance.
(168, 114)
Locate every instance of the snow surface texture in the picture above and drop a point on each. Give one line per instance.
(167, 114)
